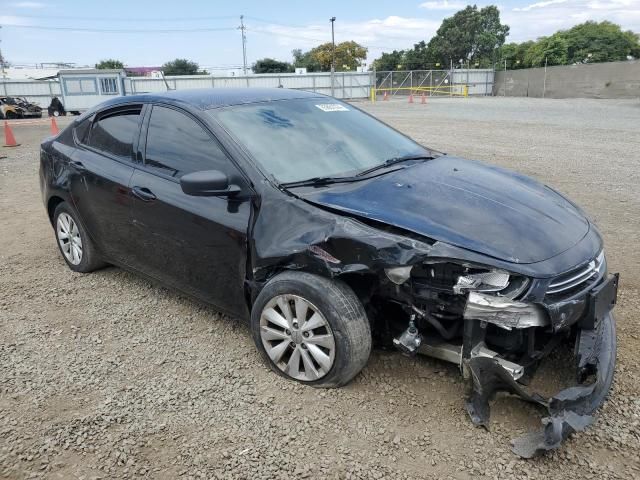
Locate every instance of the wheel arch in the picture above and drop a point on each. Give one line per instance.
(52, 204)
(363, 284)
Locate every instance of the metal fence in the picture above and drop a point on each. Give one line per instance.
(436, 82)
(37, 91)
(346, 84)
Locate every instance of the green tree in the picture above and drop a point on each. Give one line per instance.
(305, 60)
(420, 57)
(515, 55)
(389, 61)
(349, 56)
(182, 66)
(269, 65)
(552, 50)
(110, 64)
(472, 35)
(600, 42)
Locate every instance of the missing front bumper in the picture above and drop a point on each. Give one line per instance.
(570, 409)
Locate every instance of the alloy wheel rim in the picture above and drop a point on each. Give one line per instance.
(297, 337)
(69, 238)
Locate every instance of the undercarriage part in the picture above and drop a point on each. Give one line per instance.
(516, 371)
(441, 350)
(435, 323)
(503, 312)
(570, 409)
(410, 340)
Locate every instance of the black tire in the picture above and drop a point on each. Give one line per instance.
(90, 260)
(342, 309)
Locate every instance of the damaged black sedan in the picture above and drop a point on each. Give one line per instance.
(331, 232)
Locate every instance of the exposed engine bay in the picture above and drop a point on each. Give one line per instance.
(485, 322)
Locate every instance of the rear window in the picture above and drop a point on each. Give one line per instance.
(113, 131)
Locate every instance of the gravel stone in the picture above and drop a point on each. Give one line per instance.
(109, 376)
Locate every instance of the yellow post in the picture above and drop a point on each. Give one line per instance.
(373, 95)
(466, 91)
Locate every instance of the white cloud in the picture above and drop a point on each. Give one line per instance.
(384, 34)
(9, 20)
(539, 5)
(536, 22)
(33, 5)
(442, 5)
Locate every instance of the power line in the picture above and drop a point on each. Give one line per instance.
(128, 19)
(124, 30)
(279, 34)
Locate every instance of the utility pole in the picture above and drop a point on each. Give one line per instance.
(544, 85)
(333, 54)
(505, 77)
(243, 29)
(2, 74)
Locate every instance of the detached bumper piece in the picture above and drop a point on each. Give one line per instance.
(571, 409)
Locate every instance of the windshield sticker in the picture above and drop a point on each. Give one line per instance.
(332, 107)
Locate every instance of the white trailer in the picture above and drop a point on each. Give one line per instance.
(82, 89)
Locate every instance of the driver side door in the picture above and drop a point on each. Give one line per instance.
(193, 243)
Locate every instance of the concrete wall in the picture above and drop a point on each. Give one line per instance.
(597, 80)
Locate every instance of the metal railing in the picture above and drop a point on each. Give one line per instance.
(436, 82)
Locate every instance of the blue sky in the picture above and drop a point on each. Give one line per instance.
(274, 28)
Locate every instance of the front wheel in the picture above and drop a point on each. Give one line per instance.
(311, 329)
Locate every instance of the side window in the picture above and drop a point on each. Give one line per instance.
(177, 145)
(108, 86)
(113, 131)
(82, 130)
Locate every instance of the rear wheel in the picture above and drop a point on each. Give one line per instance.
(311, 329)
(74, 243)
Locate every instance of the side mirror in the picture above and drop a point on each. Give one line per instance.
(208, 183)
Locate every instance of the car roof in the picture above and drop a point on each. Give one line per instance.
(207, 98)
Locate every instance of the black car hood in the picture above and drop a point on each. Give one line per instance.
(466, 203)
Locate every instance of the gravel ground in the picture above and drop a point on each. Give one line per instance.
(108, 376)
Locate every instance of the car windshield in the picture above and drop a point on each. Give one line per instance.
(296, 140)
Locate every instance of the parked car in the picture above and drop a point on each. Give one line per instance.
(9, 109)
(330, 232)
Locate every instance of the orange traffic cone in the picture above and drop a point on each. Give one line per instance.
(9, 139)
(411, 98)
(54, 127)
(423, 100)
(385, 97)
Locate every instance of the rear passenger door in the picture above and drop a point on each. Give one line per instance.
(101, 169)
(197, 244)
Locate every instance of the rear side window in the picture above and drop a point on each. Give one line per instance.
(82, 130)
(113, 132)
(177, 145)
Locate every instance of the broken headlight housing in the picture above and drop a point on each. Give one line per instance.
(398, 275)
(498, 282)
(460, 279)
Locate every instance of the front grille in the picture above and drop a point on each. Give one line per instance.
(578, 279)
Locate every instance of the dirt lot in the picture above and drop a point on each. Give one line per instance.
(108, 376)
